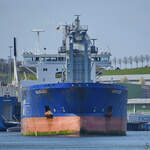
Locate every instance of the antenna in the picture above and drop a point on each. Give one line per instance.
(77, 19)
(93, 40)
(77, 16)
(38, 39)
(77, 22)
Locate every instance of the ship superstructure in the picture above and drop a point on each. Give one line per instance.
(65, 98)
(83, 57)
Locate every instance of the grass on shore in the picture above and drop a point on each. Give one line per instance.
(29, 76)
(144, 70)
(133, 71)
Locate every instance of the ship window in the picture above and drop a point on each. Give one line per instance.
(43, 58)
(44, 69)
(53, 58)
(60, 58)
(48, 59)
(28, 58)
(7, 96)
(104, 59)
(37, 59)
(96, 59)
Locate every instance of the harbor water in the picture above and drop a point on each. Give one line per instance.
(137, 140)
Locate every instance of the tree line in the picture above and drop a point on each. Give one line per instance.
(131, 62)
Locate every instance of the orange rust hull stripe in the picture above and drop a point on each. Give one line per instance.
(72, 124)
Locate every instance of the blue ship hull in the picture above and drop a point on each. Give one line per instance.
(76, 99)
(80, 100)
(9, 112)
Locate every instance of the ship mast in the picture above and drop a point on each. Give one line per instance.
(38, 39)
(77, 22)
(10, 75)
(15, 64)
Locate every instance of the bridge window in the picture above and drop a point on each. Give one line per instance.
(53, 58)
(104, 59)
(48, 59)
(43, 58)
(44, 69)
(37, 59)
(97, 58)
(28, 59)
(61, 58)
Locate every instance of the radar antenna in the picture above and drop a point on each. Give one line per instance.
(77, 16)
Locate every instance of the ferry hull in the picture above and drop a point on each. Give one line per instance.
(77, 109)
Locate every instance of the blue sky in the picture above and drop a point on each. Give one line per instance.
(121, 25)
